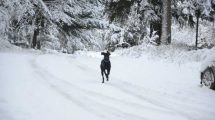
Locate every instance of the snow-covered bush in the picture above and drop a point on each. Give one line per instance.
(207, 35)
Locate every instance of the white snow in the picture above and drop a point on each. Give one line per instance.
(38, 86)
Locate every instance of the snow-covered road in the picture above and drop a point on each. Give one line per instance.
(68, 87)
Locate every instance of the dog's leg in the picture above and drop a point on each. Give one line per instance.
(108, 72)
(106, 75)
(102, 72)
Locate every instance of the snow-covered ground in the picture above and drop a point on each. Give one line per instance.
(38, 86)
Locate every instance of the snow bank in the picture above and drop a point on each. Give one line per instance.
(93, 54)
(176, 52)
(6, 46)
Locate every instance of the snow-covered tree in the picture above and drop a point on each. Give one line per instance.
(62, 25)
(151, 11)
(80, 22)
(189, 12)
(136, 17)
(70, 25)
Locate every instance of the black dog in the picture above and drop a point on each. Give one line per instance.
(105, 65)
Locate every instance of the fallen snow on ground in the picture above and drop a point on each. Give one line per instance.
(38, 86)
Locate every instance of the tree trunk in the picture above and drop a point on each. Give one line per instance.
(37, 23)
(213, 35)
(166, 23)
(197, 28)
(34, 40)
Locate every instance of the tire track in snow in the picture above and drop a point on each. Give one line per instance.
(153, 101)
(118, 85)
(156, 106)
(171, 103)
(55, 82)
